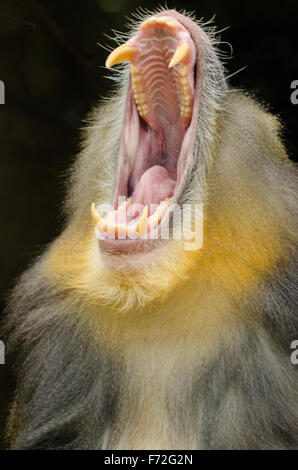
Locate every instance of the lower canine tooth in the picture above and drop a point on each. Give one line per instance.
(142, 222)
(98, 220)
(156, 217)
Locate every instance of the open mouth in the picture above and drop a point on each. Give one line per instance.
(158, 130)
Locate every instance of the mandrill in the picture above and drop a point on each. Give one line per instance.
(150, 324)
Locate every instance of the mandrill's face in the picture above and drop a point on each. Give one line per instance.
(171, 98)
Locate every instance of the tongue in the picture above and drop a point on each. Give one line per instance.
(154, 186)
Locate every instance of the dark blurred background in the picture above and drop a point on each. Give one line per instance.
(50, 63)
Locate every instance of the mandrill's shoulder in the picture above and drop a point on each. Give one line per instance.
(250, 126)
(251, 221)
(249, 149)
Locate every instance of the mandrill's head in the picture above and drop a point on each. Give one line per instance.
(162, 164)
(166, 120)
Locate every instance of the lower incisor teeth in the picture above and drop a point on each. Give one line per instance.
(121, 231)
(123, 206)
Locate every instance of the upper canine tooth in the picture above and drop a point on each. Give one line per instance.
(181, 52)
(123, 53)
(142, 222)
(98, 220)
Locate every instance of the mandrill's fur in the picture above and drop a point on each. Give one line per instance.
(172, 349)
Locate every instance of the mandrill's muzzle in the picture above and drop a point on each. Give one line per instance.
(159, 126)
